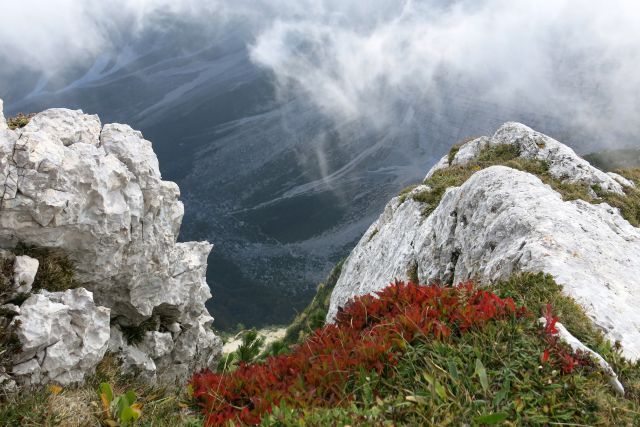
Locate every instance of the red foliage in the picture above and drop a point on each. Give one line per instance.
(561, 357)
(368, 335)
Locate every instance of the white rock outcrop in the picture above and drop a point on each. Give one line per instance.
(25, 269)
(64, 336)
(96, 194)
(564, 163)
(502, 221)
(577, 346)
(3, 121)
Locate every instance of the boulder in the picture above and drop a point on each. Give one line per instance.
(64, 336)
(24, 273)
(96, 194)
(502, 221)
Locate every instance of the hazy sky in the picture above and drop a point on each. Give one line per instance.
(356, 58)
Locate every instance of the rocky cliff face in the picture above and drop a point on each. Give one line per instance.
(502, 221)
(95, 193)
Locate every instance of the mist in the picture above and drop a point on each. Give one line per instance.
(572, 59)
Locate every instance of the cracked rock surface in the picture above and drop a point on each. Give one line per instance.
(64, 336)
(95, 192)
(503, 221)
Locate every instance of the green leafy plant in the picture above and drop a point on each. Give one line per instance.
(118, 411)
(346, 360)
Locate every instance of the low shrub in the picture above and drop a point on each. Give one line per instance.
(369, 337)
(248, 351)
(430, 355)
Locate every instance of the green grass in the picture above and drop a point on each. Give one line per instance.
(80, 406)
(508, 155)
(405, 192)
(629, 204)
(610, 160)
(490, 375)
(56, 272)
(19, 121)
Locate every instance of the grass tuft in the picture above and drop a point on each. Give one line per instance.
(629, 204)
(80, 406)
(134, 334)
(509, 155)
(56, 272)
(19, 121)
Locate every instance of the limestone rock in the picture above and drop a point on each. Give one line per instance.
(97, 194)
(66, 127)
(563, 162)
(135, 361)
(3, 121)
(64, 335)
(24, 273)
(168, 356)
(577, 346)
(158, 344)
(7, 384)
(503, 221)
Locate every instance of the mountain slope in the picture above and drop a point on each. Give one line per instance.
(501, 221)
(281, 188)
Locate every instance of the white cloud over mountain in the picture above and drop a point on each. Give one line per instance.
(575, 59)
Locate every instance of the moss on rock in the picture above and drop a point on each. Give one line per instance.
(509, 155)
(19, 121)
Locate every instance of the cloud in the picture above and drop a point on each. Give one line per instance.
(358, 60)
(574, 59)
(53, 36)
